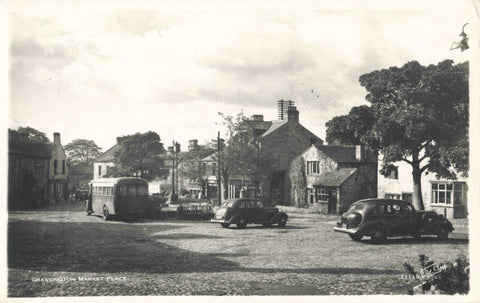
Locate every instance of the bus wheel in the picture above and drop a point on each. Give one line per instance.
(106, 214)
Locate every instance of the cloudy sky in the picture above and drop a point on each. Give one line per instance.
(99, 71)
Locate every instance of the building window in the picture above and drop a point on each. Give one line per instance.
(63, 167)
(99, 170)
(39, 169)
(313, 167)
(214, 168)
(322, 194)
(392, 196)
(449, 193)
(55, 164)
(407, 197)
(393, 173)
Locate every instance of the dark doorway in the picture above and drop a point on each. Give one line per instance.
(332, 200)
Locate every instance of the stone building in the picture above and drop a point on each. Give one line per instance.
(80, 175)
(282, 141)
(333, 177)
(104, 162)
(27, 172)
(58, 172)
(447, 197)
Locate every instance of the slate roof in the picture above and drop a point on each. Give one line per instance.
(30, 149)
(275, 125)
(344, 154)
(109, 155)
(335, 178)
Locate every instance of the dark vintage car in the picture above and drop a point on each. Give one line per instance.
(245, 210)
(381, 218)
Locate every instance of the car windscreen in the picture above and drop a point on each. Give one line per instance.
(228, 203)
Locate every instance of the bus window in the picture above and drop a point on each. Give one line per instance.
(132, 191)
(142, 190)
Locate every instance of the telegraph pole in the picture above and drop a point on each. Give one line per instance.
(173, 170)
(219, 176)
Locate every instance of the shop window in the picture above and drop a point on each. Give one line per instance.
(449, 193)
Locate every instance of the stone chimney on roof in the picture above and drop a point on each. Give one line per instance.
(192, 144)
(359, 153)
(257, 118)
(292, 114)
(56, 139)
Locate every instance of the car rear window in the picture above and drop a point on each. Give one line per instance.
(357, 206)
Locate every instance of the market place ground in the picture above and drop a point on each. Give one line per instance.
(59, 251)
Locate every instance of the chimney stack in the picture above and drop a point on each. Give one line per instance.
(56, 139)
(292, 114)
(257, 118)
(359, 153)
(192, 144)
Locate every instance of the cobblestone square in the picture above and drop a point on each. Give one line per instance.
(59, 251)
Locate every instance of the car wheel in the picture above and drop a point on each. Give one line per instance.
(266, 224)
(225, 224)
(106, 213)
(242, 223)
(442, 234)
(379, 236)
(356, 237)
(282, 221)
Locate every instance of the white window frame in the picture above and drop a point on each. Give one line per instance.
(446, 190)
(313, 167)
(393, 196)
(322, 194)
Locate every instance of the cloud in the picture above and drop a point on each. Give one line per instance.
(120, 66)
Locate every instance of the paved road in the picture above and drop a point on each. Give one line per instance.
(59, 251)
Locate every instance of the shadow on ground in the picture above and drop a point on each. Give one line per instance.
(101, 248)
(459, 239)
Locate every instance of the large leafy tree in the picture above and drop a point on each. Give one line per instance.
(32, 134)
(82, 151)
(418, 114)
(242, 155)
(140, 155)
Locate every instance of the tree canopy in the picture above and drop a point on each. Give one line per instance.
(242, 154)
(82, 151)
(140, 155)
(417, 114)
(190, 163)
(33, 135)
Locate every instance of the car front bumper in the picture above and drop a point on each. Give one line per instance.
(219, 221)
(346, 230)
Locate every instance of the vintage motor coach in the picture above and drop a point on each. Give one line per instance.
(120, 197)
